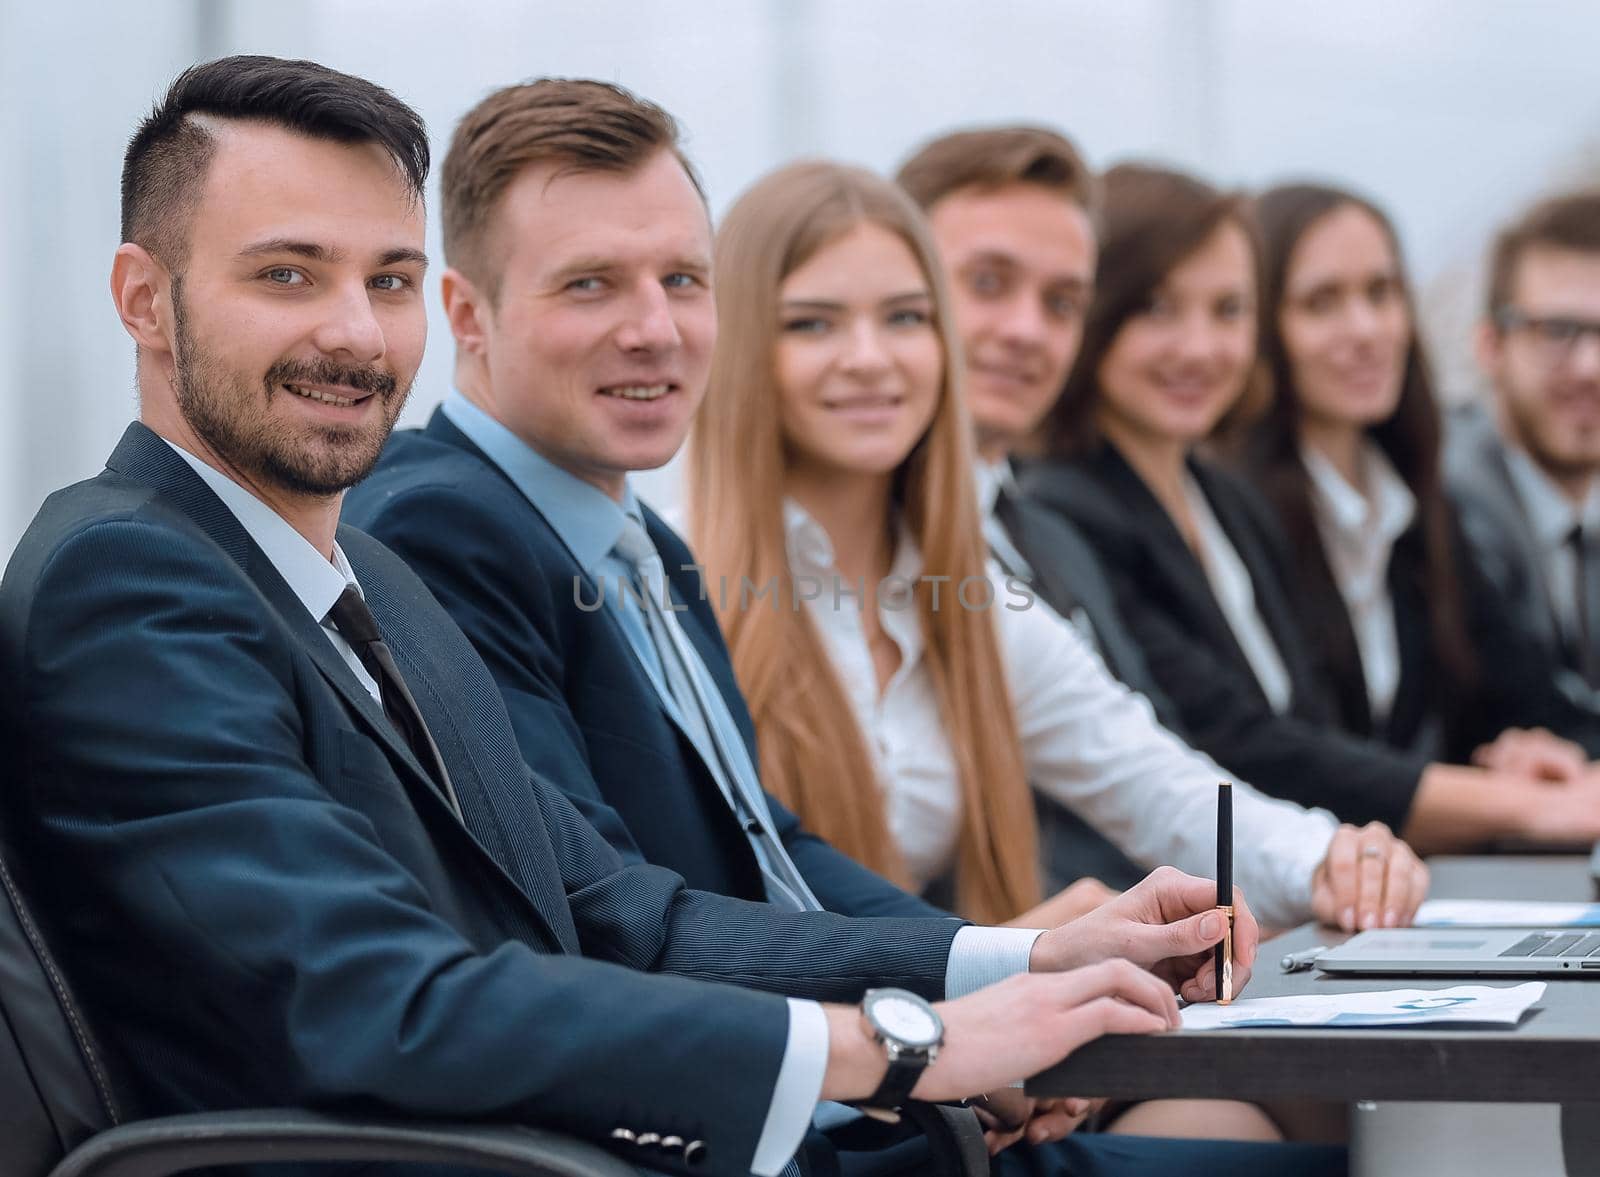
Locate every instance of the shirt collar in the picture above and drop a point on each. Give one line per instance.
(811, 550)
(1386, 515)
(1551, 512)
(587, 519)
(993, 478)
(311, 578)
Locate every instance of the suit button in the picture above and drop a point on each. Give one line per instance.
(646, 1139)
(671, 1143)
(694, 1152)
(622, 1134)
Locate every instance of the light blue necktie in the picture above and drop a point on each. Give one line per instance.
(703, 715)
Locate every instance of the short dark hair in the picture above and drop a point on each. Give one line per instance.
(165, 164)
(1569, 221)
(994, 157)
(580, 124)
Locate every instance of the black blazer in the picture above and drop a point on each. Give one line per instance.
(267, 903)
(1190, 648)
(1067, 576)
(585, 713)
(1434, 710)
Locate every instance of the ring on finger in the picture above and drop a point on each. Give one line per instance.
(1372, 852)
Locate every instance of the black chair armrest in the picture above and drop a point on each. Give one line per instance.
(175, 1144)
(956, 1137)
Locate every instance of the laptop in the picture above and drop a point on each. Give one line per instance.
(1528, 952)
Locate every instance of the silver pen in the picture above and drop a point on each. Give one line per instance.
(1299, 962)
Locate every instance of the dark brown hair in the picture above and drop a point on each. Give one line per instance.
(1569, 221)
(583, 125)
(1154, 219)
(165, 164)
(994, 157)
(1411, 438)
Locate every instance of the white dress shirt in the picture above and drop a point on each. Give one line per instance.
(1236, 596)
(1358, 533)
(1087, 741)
(1552, 516)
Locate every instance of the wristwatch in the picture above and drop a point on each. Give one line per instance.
(911, 1034)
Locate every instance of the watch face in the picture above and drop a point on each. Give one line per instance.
(907, 1021)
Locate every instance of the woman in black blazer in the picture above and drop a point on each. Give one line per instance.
(1419, 651)
(1201, 567)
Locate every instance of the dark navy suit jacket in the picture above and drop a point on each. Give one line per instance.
(585, 713)
(1190, 648)
(265, 902)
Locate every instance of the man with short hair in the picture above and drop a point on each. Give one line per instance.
(1526, 480)
(1013, 212)
(578, 298)
(294, 854)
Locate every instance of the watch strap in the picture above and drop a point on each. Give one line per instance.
(895, 1090)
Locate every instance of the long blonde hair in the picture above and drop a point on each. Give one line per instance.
(813, 754)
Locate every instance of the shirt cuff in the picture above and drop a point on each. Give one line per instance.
(797, 1091)
(982, 956)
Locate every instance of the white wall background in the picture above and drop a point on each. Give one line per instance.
(1450, 112)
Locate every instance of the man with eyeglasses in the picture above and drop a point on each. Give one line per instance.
(1526, 484)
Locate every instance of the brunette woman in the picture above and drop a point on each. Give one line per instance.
(1347, 453)
(1169, 350)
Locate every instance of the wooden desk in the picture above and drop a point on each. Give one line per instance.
(1552, 1056)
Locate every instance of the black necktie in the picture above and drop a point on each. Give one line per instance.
(1582, 652)
(356, 625)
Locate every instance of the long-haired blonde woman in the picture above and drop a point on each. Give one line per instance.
(835, 472)
(905, 695)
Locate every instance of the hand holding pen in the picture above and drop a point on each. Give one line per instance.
(1167, 923)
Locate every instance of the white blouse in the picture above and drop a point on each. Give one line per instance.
(1087, 741)
(1358, 535)
(1236, 596)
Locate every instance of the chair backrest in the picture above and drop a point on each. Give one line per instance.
(55, 1091)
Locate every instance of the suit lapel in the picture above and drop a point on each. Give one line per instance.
(1409, 594)
(1266, 580)
(500, 822)
(440, 428)
(1513, 517)
(337, 673)
(1165, 544)
(144, 457)
(1021, 524)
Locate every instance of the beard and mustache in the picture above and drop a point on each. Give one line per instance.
(220, 405)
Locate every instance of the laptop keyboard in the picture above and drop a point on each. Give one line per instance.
(1568, 945)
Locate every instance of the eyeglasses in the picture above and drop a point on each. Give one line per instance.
(1554, 338)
